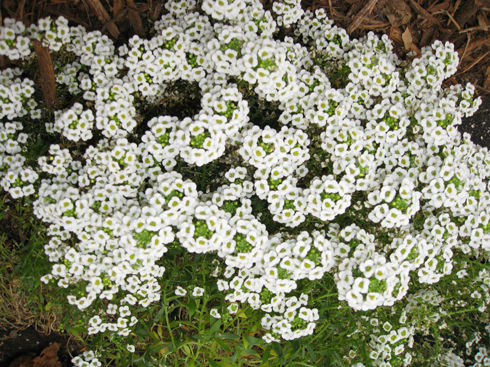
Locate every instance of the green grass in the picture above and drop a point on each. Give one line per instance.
(25, 301)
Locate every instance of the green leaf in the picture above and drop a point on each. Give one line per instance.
(191, 307)
(215, 327)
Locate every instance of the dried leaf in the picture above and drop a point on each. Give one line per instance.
(103, 17)
(46, 73)
(117, 6)
(407, 39)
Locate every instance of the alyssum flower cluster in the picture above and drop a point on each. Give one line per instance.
(358, 135)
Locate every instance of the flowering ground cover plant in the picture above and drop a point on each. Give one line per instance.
(255, 168)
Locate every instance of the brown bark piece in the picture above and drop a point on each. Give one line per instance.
(486, 84)
(358, 19)
(482, 20)
(135, 19)
(475, 62)
(396, 35)
(456, 7)
(483, 5)
(48, 357)
(19, 14)
(426, 15)
(46, 71)
(103, 17)
(117, 7)
(428, 36)
(478, 43)
(156, 10)
(375, 25)
(2, 59)
(397, 12)
(466, 11)
(435, 7)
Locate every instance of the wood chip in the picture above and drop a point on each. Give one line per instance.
(485, 4)
(486, 84)
(375, 25)
(117, 7)
(135, 19)
(415, 49)
(435, 7)
(397, 12)
(20, 10)
(358, 19)
(426, 15)
(462, 52)
(428, 36)
(103, 17)
(456, 7)
(156, 10)
(407, 39)
(466, 12)
(482, 20)
(396, 35)
(477, 28)
(478, 43)
(46, 73)
(474, 63)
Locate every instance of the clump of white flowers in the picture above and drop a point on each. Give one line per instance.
(353, 154)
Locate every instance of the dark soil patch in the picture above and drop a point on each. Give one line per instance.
(478, 125)
(29, 343)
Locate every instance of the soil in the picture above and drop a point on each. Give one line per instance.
(478, 125)
(411, 24)
(30, 348)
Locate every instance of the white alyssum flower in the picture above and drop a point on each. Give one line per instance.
(304, 135)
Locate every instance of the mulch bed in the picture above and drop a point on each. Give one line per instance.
(411, 24)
